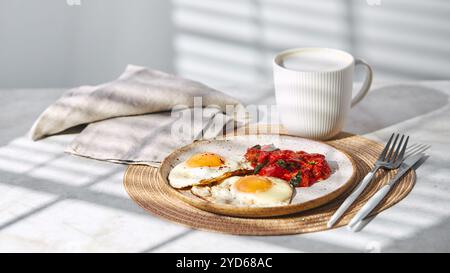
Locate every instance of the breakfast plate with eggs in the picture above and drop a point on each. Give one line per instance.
(257, 175)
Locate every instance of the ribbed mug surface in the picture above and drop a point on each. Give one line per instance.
(313, 104)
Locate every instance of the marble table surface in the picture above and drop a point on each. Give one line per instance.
(51, 201)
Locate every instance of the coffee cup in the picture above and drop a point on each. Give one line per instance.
(314, 90)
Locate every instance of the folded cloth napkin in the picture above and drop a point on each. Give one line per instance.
(131, 119)
(146, 139)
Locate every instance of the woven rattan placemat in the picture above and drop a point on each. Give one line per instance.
(148, 191)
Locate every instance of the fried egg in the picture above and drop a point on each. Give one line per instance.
(200, 166)
(251, 190)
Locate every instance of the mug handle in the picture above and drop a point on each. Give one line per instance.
(367, 82)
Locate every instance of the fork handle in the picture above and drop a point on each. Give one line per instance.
(370, 205)
(351, 198)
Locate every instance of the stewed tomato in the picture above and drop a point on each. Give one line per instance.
(300, 168)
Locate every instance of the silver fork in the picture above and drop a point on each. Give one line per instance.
(390, 158)
(412, 150)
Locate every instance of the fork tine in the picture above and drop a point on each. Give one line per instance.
(398, 148)
(402, 153)
(389, 157)
(386, 147)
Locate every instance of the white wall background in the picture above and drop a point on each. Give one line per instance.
(236, 39)
(48, 43)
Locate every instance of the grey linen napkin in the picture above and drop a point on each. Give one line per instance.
(132, 119)
(144, 139)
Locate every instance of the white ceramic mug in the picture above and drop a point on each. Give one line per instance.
(314, 99)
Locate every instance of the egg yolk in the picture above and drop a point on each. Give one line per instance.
(205, 160)
(253, 184)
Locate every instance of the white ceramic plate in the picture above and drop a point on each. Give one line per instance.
(343, 171)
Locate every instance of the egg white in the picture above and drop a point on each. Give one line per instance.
(182, 176)
(226, 193)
